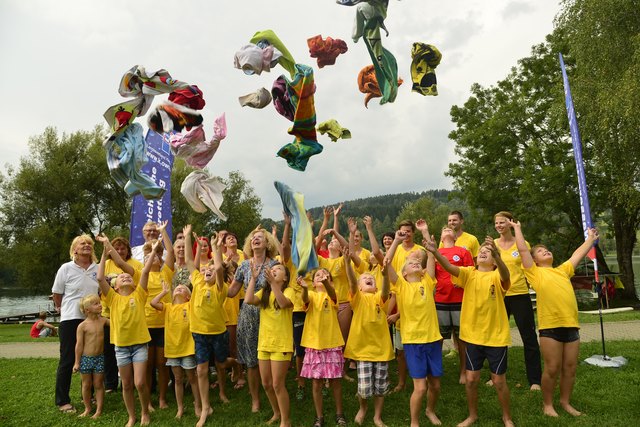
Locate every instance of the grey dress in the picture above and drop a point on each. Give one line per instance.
(249, 316)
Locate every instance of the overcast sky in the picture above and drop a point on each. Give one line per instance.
(62, 62)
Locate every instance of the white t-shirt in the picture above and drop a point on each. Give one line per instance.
(74, 283)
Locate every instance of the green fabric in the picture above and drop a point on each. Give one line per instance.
(425, 58)
(333, 129)
(286, 60)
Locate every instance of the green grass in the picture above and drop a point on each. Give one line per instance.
(20, 333)
(607, 396)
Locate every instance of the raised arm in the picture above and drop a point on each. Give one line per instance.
(373, 240)
(276, 288)
(286, 239)
(170, 258)
(144, 277)
(454, 270)
(156, 302)
(351, 275)
(422, 226)
(188, 253)
(218, 265)
(330, 290)
(388, 258)
(505, 276)
(325, 222)
(386, 285)
(521, 244)
(353, 227)
(583, 249)
(102, 282)
(336, 213)
(305, 291)
(250, 294)
(115, 256)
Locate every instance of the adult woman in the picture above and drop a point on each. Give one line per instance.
(517, 300)
(261, 247)
(74, 280)
(232, 252)
(180, 272)
(205, 251)
(113, 267)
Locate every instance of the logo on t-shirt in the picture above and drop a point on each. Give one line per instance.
(421, 289)
(456, 258)
(492, 292)
(325, 306)
(515, 254)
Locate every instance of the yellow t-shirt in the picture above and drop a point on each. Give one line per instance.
(467, 241)
(276, 325)
(207, 313)
(110, 268)
(513, 261)
(155, 319)
(418, 310)
(369, 339)
(339, 275)
(298, 305)
(400, 257)
(483, 318)
(555, 299)
(321, 328)
(232, 306)
(178, 341)
(128, 324)
(364, 255)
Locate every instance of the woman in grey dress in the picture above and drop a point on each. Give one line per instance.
(262, 248)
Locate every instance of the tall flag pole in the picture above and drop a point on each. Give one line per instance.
(585, 210)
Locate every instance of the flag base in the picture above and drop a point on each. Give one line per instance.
(606, 361)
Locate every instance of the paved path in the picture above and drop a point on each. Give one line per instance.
(613, 331)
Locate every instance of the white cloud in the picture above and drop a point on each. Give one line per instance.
(64, 59)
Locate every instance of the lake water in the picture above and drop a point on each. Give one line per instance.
(18, 301)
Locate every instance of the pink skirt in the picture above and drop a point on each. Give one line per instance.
(322, 364)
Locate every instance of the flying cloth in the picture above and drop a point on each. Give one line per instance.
(368, 84)
(203, 191)
(190, 97)
(268, 37)
(303, 253)
(299, 100)
(252, 59)
(258, 99)
(370, 17)
(193, 147)
(425, 58)
(333, 129)
(170, 116)
(326, 50)
(126, 154)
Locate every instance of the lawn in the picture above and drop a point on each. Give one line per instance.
(20, 333)
(608, 397)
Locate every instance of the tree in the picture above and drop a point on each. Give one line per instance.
(241, 205)
(604, 39)
(60, 190)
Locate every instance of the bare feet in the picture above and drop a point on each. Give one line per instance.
(433, 418)
(223, 398)
(378, 422)
(240, 384)
(163, 404)
(549, 411)
(274, 419)
(508, 422)
(203, 417)
(255, 406)
(85, 413)
(131, 422)
(535, 387)
(197, 409)
(359, 419)
(96, 415)
(151, 408)
(347, 378)
(469, 421)
(570, 409)
(399, 387)
(145, 419)
(180, 413)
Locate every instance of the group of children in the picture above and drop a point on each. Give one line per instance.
(347, 305)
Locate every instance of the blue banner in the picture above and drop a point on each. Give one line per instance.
(585, 209)
(159, 169)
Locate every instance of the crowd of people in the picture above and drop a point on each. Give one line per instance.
(180, 309)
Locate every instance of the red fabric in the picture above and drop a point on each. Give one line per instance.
(326, 50)
(368, 84)
(35, 332)
(189, 97)
(324, 253)
(446, 292)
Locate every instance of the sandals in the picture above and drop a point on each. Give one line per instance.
(341, 420)
(240, 384)
(67, 409)
(319, 422)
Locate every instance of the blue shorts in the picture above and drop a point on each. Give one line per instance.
(497, 357)
(563, 335)
(424, 360)
(157, 337)
(186, 362)
(129, 354)
(298, 327)
(208, 346)
(92, 364)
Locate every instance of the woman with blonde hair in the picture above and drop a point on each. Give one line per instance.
(74, 280)
(261, 247)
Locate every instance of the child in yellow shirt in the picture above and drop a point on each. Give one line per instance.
(421, 337)
(90, 353)
(129, 330)
(484, 324)
(369, 343)
(323, 343)
(557, 315)
(179, 348)
(275, 336)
